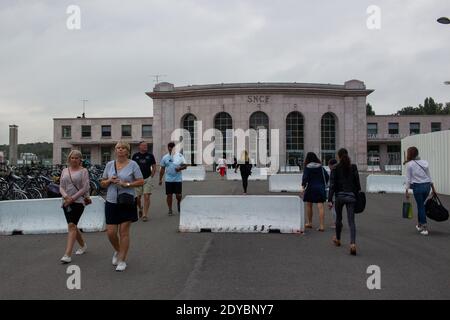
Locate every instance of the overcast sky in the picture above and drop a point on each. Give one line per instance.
(46, 69)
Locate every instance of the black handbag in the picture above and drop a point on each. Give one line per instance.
(360, 203)
(435, 210)
(123, 198)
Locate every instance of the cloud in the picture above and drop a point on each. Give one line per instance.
(47, 69)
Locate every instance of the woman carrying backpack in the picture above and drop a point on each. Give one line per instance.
(418, 179)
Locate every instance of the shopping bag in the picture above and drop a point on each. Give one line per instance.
(407, 210)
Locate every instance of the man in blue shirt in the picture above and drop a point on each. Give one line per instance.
(172, 164)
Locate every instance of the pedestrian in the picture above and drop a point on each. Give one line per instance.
(314, 182)
(171, 166)
(344, 184)
(147, 164)
(121, 176)
(245, 168)
(74, 187)
(418, 179)
(332, 164)
(222, 166)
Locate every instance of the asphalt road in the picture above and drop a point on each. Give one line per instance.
(166, 264)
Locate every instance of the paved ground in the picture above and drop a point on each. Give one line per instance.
(165, 264)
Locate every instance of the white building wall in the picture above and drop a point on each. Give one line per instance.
(435, 148)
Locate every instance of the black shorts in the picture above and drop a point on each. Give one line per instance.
(119, 213)
(174, 188)
(73, 214)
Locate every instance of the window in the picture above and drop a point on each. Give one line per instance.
(106, 154)
(126, 130)
(66, 132)
(223, 122)
(85, 131)
(147, 130)
(373, 155)
(372, 128)
(294, 138)
(86, 152)
(393, 128)
(328, 137)
(414, 128)
(258, 121)
(64, 154)
(435, 126)
(106, 131)
(189, 150)
(393, 148)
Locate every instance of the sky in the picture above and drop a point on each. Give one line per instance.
(46, 68)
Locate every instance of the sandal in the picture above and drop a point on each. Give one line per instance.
(144, 219)
(308, 226)
(336, 242)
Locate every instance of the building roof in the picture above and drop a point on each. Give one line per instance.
(350, 88)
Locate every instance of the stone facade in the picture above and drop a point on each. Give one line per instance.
(345, 102)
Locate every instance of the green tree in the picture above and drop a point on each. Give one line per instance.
(369, 110)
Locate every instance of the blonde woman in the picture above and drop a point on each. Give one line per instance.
(74, 185)
(121, 176)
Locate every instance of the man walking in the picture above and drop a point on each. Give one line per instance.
(171, 165)
(147, 164)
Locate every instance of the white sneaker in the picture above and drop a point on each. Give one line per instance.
(424, 232)
(66, 259)
(121, 266)
(115, 260)
(419, 228)
(82, 249)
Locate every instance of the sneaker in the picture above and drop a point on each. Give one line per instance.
(121, 266)
(115, 259)
(66, 259)
(82, 249)
(170, 212)
(419, 228)
(424, 231)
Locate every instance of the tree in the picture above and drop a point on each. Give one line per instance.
(429, 107)
(369, 110)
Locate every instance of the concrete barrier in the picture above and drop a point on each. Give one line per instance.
(194, 173)
(262, 214)
(289, 169)
(257, 174)
(385, 183)
(285, 182)
(42, 216)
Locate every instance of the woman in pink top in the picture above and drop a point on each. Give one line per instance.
(74, 186)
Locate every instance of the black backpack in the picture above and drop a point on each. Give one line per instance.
(435, 210)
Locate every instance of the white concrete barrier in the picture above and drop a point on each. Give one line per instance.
(284, 214)
(42, 216)
(194, 173)
(257, 174)
(289, 169)
(385, 183)
(392, 168)
(285, 182)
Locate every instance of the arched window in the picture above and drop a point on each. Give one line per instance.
(294, 138)
(187, 122)
(328, 137)
(258, 121)
(224, 122)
